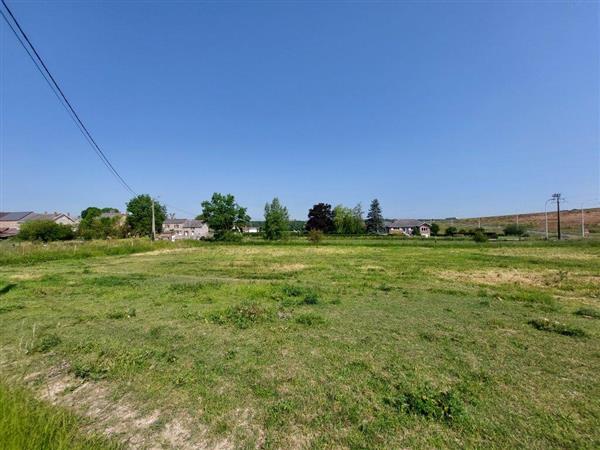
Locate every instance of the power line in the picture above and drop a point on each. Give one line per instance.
(60, 94)
(62, 98)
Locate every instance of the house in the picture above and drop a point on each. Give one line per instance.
(407, 227)
(250, 229)
(176, 229)
(10, 222)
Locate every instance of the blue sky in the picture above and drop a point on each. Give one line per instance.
(437, 109)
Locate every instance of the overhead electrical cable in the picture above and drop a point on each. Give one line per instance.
(37, 60)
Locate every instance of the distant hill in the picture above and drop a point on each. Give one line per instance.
(570, 221)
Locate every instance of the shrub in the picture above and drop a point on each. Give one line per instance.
(46, 231)
(556, 327)
(480, 237)
(514, 230)
(315, 236)
(451, 231)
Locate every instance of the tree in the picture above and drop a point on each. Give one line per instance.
(45, 230)
(416, 231)
(435, 229)
(94, 226)
(479, 236)
(140, 215)
(451, 231)
(223, 215)
(375, 218)
(320, 217)
(348, 221)
(276, 220)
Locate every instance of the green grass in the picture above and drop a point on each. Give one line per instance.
(27, 423)
(351, 343)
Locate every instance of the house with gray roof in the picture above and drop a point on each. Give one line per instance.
(407, 227)
(10, 222)
(177, 229)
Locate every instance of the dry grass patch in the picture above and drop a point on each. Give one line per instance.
(495, 276)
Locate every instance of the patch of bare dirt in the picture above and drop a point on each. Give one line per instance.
(120, 419)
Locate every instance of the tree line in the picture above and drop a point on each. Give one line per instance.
(225, 217)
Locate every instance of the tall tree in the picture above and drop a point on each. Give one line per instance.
(277, 220)
(375, 218)
(223, 215)
(348, 221)
(320, 217)
(140, 215)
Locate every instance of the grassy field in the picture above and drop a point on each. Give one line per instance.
(354, 343)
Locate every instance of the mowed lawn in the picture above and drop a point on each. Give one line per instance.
(348, 344)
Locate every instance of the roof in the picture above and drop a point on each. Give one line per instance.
(53, 216)
(186, 223)
(405, 223)
(14, 216)
(193, 224)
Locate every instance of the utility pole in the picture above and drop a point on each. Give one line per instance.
(557, 198)
(546, 215)
(153, 223)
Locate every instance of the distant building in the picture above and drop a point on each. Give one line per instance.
(407, 227)
(177, 229)
(251, 230)
(10, 222)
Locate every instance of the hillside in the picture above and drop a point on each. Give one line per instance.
(570, 221)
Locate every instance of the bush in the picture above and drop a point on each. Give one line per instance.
(229, 236)
(315, 236)
(46, 231)
(480, 236)
(451, 231)
(514, 230)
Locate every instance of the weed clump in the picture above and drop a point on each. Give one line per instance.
(588, 312)
(131, 312)
(444, 406)
(310, 319)
(46, 343)
(242, 316)
(556, 327)
(301, 295)
(9, 308)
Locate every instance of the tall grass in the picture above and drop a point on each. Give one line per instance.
(16, 252)
(26, 423)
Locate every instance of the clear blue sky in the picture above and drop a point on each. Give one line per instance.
(437, 109)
